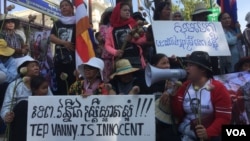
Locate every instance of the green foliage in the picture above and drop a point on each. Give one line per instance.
(187, 6)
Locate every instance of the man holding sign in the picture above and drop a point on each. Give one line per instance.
(201, 14)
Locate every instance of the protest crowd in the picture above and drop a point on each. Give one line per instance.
(123, 48)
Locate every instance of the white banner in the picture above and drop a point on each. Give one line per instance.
(238, 86)
(95, 118)
(183, 37)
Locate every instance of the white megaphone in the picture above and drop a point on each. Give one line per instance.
(153, 74)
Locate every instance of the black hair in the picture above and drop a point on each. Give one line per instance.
(248, 25)
(156, 58)
(69, 2)
(221, 14)
(36, 82)
(16, 21)
(209, 74)
(105, 18)
(62, 30)
(124, 3)
(39, 35)
(97, 34)
(159, 8)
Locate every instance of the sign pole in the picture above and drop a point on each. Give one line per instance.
(4, 7)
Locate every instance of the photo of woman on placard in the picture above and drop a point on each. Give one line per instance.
(36, 47)
(121, 36)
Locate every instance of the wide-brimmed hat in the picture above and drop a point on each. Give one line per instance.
(22, 60)
(200, 58)
(123, 66)
(8, 19)
(201, 8)
(163, 112)
(240, 63)
(138, 15)
(247, 18)
(4, 49)
(93, 62)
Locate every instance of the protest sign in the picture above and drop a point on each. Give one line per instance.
(95, 118)
(183, 37)
(42, 51)
(238, 85)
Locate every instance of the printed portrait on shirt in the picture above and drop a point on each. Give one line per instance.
(65, 34)
(120, 36)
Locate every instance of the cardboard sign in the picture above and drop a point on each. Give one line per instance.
(183, 37)
(95, 118)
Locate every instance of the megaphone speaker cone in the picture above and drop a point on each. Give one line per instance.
(148, 75)
(153, 74)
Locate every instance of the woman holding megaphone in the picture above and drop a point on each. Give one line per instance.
(201, 104)
(165, 122)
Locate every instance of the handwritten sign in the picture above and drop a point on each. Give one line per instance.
(95, 118)
(183, 37)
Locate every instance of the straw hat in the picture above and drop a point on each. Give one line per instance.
(8, 19)
(123, 66)
(201, 8)
(93, 62)
(4, 49)
(162, 112)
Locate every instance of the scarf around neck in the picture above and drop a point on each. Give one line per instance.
(68, 20)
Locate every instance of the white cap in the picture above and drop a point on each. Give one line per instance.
(24, 59)
(93, 62)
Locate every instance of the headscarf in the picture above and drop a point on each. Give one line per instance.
(116, 20)
(68, 20)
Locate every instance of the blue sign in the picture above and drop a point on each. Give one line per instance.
(48, 7)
